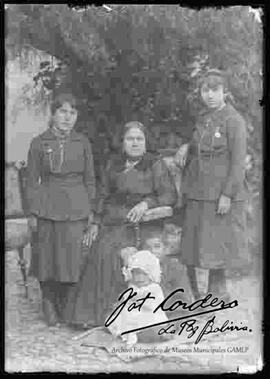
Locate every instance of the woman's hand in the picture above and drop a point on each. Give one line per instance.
(181, 156)
(224, 205)
(32, 223)
(136, 213)
(90, 235)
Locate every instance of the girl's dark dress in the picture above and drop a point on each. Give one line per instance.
(216, 166)
(102, 280)
(60, 193)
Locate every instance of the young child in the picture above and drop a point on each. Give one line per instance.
(142, 272)
(165, 247)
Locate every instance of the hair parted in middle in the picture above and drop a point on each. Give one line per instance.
(212, 78)
(133, 124)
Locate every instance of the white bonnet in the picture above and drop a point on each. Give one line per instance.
(147, 262)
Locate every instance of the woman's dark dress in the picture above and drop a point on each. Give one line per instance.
(102, 281)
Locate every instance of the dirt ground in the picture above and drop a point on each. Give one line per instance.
(31, 346)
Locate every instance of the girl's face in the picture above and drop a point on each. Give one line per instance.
(65, 117)
(140, 278)
(134, 142)
(213, 95)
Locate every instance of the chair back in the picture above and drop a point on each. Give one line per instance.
(15, 191)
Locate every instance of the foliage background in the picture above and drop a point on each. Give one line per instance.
(142, 62)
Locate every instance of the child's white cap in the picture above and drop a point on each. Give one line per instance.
(147, 262)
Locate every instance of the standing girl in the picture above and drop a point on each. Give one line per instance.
(60, 190)
(214, 225)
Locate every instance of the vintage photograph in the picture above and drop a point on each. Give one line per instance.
(133, 189)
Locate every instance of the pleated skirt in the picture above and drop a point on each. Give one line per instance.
(214, 241)
(57, 252)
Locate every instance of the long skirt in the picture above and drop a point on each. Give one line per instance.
(57, 250)
(57, 259)
(103, 273)
(213, 241)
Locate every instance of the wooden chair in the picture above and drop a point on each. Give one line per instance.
(167, 155)
(151, 215)
(17, 235)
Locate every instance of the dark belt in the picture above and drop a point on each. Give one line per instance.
(64, 180)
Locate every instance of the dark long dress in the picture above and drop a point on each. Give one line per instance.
(102, 281)
(216, 166)
(60, 192)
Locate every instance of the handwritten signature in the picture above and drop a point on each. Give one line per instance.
(191, 327)
(206, 305)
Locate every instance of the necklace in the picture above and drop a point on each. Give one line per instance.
(130, 164)
(57, 157)
(59, 134)
(216, 134)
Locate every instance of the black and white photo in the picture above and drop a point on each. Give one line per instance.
(133, 188)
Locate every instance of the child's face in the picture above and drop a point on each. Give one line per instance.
(213, 96)
(140, 278)
(155, 245)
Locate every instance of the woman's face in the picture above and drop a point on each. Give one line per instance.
(213, 95)
(134, 142)
(140, 278)
(65, 117)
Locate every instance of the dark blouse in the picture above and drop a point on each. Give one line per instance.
(60, 187)
(121, 189)
(216, 158)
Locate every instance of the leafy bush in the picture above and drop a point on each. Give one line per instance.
(142, 61)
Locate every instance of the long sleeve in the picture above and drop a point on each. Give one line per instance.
(164, 188)
(186, 132)
(89, 173)
(103, 191)
(33, 176)
(236, 134)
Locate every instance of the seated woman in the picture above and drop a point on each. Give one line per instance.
(133, 182)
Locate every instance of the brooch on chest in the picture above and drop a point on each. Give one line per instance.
(49, 150)
(217, 133)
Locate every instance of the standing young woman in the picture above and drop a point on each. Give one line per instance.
(214, 224)
(60, 191)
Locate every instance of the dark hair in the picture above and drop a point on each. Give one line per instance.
(133, 124)
(62, 98)
(213, 77)
(130, 125)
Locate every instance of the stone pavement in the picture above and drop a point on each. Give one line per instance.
(31, 346)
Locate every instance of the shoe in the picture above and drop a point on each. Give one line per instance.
(197, 296)
(82, 326)
(49, 313)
